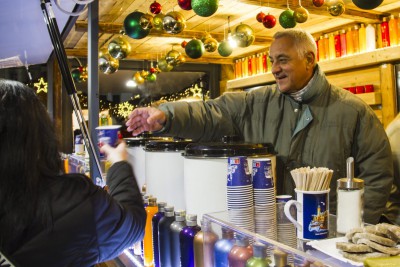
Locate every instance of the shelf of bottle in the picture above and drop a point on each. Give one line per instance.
(378, 56)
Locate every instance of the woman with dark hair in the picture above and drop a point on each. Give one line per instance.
(47, 217)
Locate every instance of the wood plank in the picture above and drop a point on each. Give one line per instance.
(388, 90)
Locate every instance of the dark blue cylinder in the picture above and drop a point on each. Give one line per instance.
(164, 237)
(154, 224)
(186, 238)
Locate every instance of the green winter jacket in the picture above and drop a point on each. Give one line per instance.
(329, 126)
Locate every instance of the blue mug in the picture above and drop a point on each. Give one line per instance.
(312, 214)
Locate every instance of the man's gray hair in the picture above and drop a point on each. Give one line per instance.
(304, 42)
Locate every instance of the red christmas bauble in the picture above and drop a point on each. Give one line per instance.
(153, 70)
(260, 16)
(318, 3)
(269, 21)
(183, 44)
(155, 7)
(185, 4)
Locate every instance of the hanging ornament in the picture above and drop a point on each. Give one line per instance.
(210, 44)
(185, 4)
(158, 22)
(244, 35)
(318, 3)
(335, 7)
(225, 49)
(269, 21)
(132, 26)
(180, 60)
(183, 44)
(155, 8)
(194, 48)
(205, 36)
(144, 74)
(107, 64)
(164, 66)
(300, 14)
(172, 57)
(76, 75)
(146, 21)
(119, 47)
(152, 77)
(286, 19)
(205, 8)
(137, 78)
(260, 16)
(174, 22)
(367, 4)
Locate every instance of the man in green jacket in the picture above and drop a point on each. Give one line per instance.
(309, 121)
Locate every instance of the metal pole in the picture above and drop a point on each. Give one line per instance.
(62, 59)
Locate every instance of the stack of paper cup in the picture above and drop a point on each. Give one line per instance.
(264, 198)
(240, 193)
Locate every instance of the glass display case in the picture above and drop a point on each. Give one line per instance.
(280, 253)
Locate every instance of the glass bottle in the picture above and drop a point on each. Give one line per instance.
(259, 258)
(164, 236)
(349, 42)
(238, 71)
(393, 31)
(240, 252)
(151, 209)
(332, 53)
(245, 67)
(362, 38)
(370, 37)
(176, 227)
(260, 62)
(338, 49)
(222, 248)
(343, 46)
(269, 63)
(385, 33)
(326, 46)
(317, 44)
(249, 66)
(321, 48)
(356, 41)
(254, 65)
(204, 242)
(186, 240)
(266, 68)
(154, 226)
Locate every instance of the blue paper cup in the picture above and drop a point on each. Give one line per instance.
(262, 174)
(107, 134)
(238, 171)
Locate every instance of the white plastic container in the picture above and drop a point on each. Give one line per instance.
(164, 171)
(206, 170)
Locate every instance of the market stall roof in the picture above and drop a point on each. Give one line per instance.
(25, 38)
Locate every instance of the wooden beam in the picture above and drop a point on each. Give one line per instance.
(115, 28)
(351, 13)
(145, 56)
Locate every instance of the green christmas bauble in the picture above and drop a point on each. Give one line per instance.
(205, 8)
(158, 22)
(225, 49)
(132, 26)
(194, 48)
(76, 75)
(151, 77)
(287, 19)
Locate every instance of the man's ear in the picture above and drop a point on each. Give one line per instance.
(310, 57)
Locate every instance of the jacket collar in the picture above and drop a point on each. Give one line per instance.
(317, 85)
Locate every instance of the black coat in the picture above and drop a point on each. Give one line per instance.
(89, 224)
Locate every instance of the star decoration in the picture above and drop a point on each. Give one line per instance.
(196, 91)
(124, 109)
(41, 86)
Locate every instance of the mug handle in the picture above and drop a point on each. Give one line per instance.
(286, 210)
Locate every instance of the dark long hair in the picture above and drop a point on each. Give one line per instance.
(29, 159)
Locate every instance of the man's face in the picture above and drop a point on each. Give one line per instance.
(291, 71)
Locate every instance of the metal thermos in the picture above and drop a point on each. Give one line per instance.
(154, 223)
(164, 237)
(186, 240)
(176, 227)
